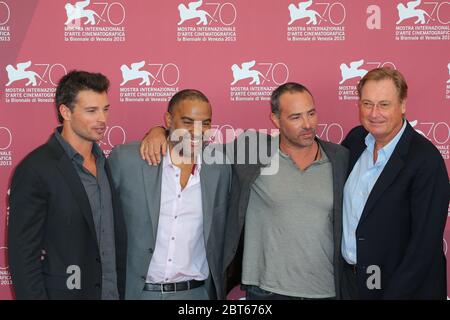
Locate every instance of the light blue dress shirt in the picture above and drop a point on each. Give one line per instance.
(358, 187)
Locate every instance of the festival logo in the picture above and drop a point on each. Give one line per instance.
(32, 83)
(423, 21)
(437, 132)
(114, 135)
(352, 72)
(95, 22)
(448, 67)
(332, 132)
(6, 139)
(255, 81)
(316, 21)
(5, 16)
(5, 276)
(207, 22)
(148, 82)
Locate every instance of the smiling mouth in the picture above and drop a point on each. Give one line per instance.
(100, 130)
(307, 135)
(195, 142)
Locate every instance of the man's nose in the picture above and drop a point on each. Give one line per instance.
(196, 129)
(306, 123)
(103, 116)
(374, 111)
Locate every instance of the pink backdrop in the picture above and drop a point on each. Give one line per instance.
(326, 46)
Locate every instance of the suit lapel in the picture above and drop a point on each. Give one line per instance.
(68, 172)
(208, 188)
(152, 189)
(386, 178)
(390, 171)
(337, 226)
(354, 156)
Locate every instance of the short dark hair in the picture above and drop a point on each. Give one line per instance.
(290, 87)
(383, 74)
(75, 81)
(186, 94)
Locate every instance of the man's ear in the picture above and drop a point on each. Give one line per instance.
(275, 119)
(168, 120)
(65, 112)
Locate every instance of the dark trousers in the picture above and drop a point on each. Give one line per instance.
(256, 293)
(349, 286)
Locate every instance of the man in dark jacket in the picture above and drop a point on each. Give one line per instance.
(66, 234)
(395, 200)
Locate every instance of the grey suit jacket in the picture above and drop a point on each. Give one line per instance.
(139, 188)
(245, 174)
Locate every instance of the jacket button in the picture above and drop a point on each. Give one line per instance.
(97, 285)
(98, 260)
(143, 278)
(151, 250)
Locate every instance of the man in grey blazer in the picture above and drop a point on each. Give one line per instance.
(175, 212)
(287, 192)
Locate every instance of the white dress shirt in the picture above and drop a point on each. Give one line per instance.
(180, 253)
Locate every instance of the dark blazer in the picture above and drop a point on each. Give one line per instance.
(402, 224)
(50, 213)
(243, 177)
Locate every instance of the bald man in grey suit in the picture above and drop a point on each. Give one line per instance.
(175, 212)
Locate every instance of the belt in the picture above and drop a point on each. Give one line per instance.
(353, 268)
(173, 287)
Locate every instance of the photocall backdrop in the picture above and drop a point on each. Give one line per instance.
(235, 51)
